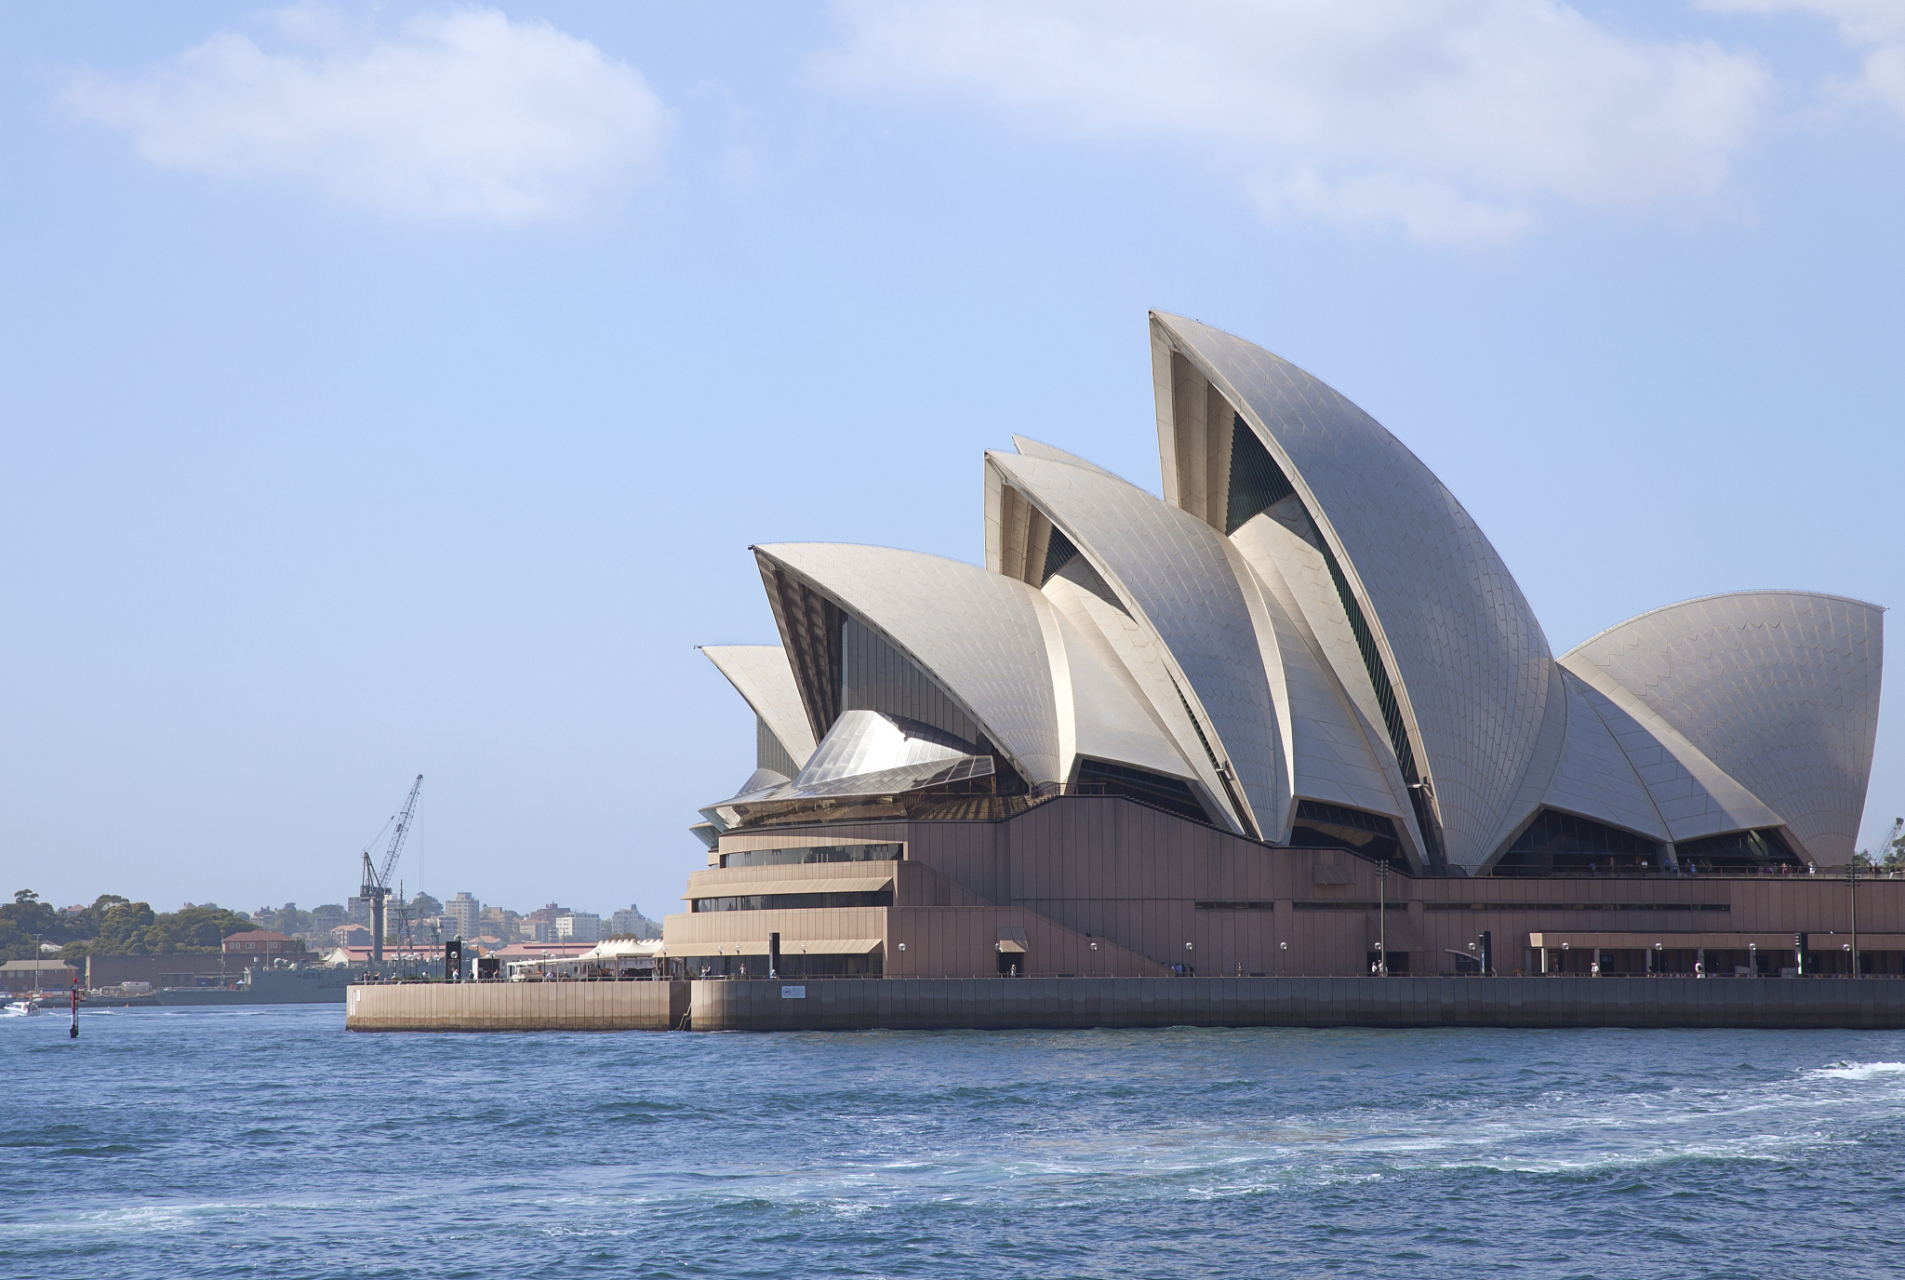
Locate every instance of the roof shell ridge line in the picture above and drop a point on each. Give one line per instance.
(1720, 595)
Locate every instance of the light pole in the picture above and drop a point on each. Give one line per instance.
(1564, 959)
(1282, 950)
(1190, 970)
(1382, 919)
(1094, 959)
(1656, 965)
(1852, 894)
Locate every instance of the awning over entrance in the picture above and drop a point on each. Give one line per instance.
(1011, 940)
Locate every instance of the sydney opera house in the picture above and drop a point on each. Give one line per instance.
(1294, 717)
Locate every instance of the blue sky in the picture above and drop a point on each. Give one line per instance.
(397, 389)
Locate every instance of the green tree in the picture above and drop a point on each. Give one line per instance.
(26, 922)
(195, 929)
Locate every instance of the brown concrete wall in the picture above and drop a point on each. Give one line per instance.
(999, 1003)
(939, 1003)
(517, 1006)
(1131, 875)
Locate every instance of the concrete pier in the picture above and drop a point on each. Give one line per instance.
(517, 1006)
(1003, 1003)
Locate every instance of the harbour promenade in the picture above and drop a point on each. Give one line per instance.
(1008, 1003)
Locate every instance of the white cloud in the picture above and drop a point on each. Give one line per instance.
(1877, 25)
(460, 114)
(1452, 119)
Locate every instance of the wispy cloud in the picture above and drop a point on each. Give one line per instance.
(1875, 26)
(1451, 119)
(459, 114)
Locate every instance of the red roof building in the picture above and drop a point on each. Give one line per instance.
(260, 944)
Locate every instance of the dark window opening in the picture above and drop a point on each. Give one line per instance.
(793, 901)
(794, 966)
(1235, 906)
(1558, 843)
(1738, 851)
(1059, 552)
(1333, 826)
(1257, 483)
(769, 753)
(1173, 795)
(1398, 962)
(886, 851)
(1063, 560)
(810, 627)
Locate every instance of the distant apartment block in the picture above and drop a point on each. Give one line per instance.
(465, 911)
(630, 922)
(579, 926)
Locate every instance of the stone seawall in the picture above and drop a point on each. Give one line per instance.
(1300, 1002)
(518, 1006)
(999, 1003)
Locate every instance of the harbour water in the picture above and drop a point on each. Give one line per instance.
(269, 1142)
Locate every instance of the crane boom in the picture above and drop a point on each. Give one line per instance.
(403, 829)
(376, 885)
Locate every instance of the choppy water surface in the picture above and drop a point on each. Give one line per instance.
(270, 1142)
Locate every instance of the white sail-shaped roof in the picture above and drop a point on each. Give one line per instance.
(1337, 750)
(1779, 689)
(1176, 574)
(1467, 657)
(1309, 616)
(980, 635)
(760, 674)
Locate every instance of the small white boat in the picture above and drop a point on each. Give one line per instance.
(21, 1008)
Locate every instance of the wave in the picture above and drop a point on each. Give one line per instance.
(1858, 1071)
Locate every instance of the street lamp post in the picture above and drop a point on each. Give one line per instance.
(1190, 970)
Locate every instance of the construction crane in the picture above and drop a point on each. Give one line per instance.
(1881, 856)
(377, 883)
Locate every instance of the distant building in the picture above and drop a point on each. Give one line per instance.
(506, 925)
(466, 911)
(351, 935)
(260, 944)
(327, 917)
(630, 922)
(357, 911)
(37, 975)
(579, 926)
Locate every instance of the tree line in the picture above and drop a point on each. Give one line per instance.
(113, 926)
